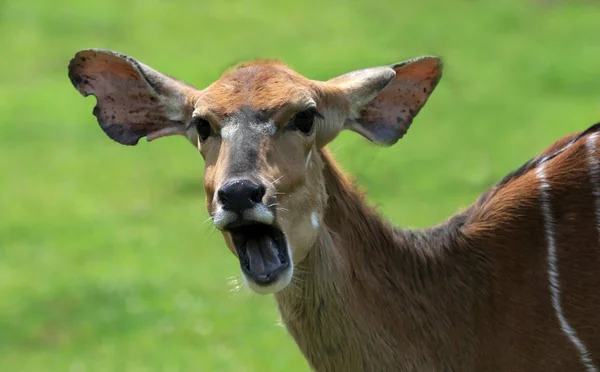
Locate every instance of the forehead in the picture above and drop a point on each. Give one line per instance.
(261, 87)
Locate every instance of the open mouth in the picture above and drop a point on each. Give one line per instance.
(262, 251)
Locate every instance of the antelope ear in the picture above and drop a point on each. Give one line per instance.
(133, 100)
(384, 100)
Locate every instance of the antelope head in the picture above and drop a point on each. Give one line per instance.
(259, 128)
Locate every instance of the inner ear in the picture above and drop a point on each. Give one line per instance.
(385, 100)
(133, 100)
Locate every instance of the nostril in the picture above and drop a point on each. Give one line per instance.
(222, 195)
(258, 193)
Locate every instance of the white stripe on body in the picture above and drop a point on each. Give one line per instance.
(553, 274)
(594, 171)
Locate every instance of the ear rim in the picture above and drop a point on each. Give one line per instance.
(118, 132)
(438, 59)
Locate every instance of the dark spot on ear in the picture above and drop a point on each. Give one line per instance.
(424, 90)
(76, 80)
(399, 120)
(118, 133)
(86, 81)
(113, 117)
(83, 59)
(153, 99)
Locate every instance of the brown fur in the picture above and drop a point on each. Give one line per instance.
(462, 296)
(268, 85)
(471, 294)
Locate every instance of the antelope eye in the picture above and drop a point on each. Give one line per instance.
(203, 128)
(304, 120)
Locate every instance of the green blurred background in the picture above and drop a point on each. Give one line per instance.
(105, 262)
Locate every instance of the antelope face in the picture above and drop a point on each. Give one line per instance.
(259, 129)
(256, 129)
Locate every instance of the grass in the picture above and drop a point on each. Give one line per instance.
(105, 262)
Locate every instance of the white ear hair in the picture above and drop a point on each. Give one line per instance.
(383, 101)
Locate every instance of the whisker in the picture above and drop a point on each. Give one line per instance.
(334, 151)
(212, 231)
(278, 207)
(208, 228)
(236, 284)
(251, 296)
(271, 183)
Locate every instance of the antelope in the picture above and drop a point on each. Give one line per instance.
(510, 283)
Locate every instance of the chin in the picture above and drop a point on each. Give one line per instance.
(282, 281)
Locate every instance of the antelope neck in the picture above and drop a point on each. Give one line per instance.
(364, 283)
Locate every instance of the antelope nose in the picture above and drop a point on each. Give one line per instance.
(239, 195)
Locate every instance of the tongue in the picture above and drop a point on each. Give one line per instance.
(262, 255)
